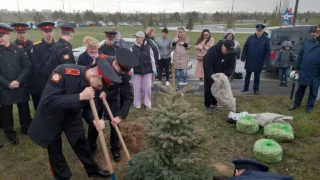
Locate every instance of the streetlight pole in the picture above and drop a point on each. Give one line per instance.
(19, 11)
(295, 13)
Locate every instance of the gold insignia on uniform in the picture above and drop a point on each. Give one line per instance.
(37, 42)
(69, 71)
(66, 56)
(56, 77)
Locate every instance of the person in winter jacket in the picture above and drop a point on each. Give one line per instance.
(308, 67)
(142, 74)
(212, 63)
(204, 42)
(230, 35)
(283, 61)
(181, 44)
(150, 32)
(91, 54)
(256, 53)
(163, 43)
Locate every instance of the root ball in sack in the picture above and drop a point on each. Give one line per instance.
(247, 125)
(267, 151)
(279, 132)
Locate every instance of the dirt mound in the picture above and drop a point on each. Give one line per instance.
(133, 136)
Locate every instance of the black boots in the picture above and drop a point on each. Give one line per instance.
(293, 107)
(285, 84)
(99, 173)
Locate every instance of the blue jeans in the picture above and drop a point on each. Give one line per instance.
(283, 74)
(181, 74)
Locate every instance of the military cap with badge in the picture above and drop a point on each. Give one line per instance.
(20, 27)
(46, 26)
(5, 29)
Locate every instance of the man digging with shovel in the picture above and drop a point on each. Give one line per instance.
(119, 97)
(59, 110)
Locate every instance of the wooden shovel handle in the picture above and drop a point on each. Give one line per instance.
(101, 137)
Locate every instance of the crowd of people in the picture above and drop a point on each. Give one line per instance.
(46, 70)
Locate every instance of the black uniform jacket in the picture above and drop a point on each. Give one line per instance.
(14, 65)
(60, 107)
(40, 54)
(26, 46)
(258, 175)
(108, 50)
(119, 98)
(212, 62)
(62, 54)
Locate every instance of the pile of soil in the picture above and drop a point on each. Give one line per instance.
(133, 136)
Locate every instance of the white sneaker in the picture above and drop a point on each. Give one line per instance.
(167, 83)
(138, 107)
(184, 83)
(180, 83)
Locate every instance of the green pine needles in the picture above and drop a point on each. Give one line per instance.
(175, 146)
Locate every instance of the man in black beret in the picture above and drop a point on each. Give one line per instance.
(40, 54)
(122, 92)
(246, 169)
(59, 110)
(109, 47)
(15, 69)
(62, 50)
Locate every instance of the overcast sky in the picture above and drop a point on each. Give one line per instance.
(156, 5)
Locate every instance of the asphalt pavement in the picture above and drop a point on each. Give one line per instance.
(269, 84)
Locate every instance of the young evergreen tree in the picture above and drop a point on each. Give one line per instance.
(175, 146)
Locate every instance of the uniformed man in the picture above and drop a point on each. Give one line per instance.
(15, 69)
(256, 53)
(21, 34)
(40, 54)
(119, 97)
(253, 170)
(62, 50)
(59, 110)
(109, 47)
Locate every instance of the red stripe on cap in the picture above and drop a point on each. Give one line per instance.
(46, 27)
(4, 31)
(20, 28)
(103, 77)
(67, 29)
(123, 67)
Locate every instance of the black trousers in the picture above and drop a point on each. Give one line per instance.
(93, 134)
(35, 100)
(58, 163)
(164, 64)
(208, 98)
(311, 98)
(256, 82)
(8, 122)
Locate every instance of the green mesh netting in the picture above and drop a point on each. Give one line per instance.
(279, 132)
(247, 125)
(267, 151)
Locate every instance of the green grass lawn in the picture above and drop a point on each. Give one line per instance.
(27, 161)
(127, 32)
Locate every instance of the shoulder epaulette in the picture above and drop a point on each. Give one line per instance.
(37, 42)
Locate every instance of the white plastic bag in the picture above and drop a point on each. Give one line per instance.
(221, 90)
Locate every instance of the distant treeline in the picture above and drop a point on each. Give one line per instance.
(145, 18)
